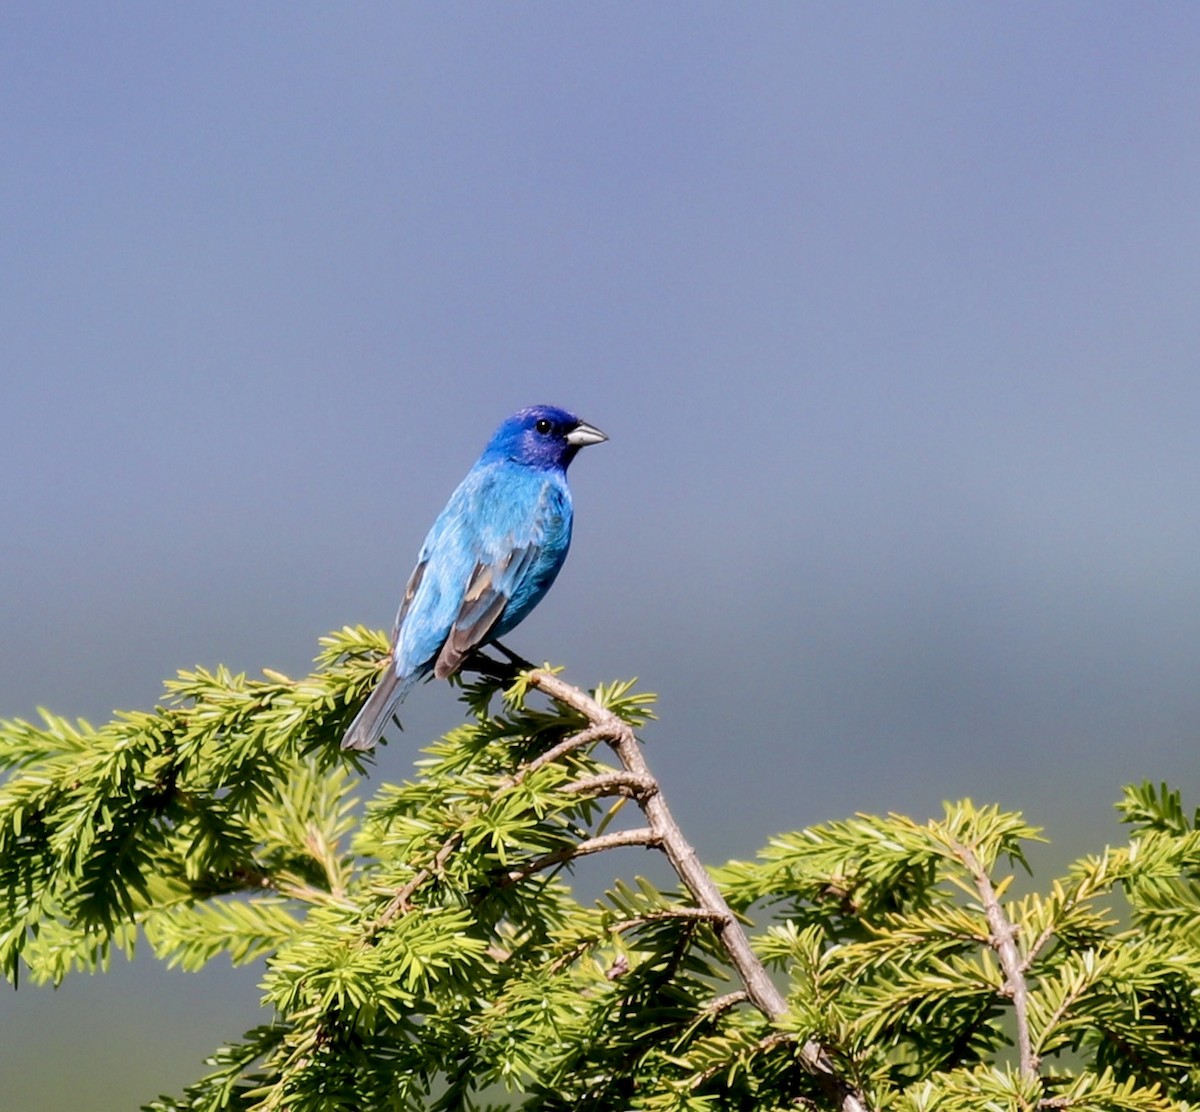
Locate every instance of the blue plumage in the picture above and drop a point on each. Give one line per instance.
(491, 555)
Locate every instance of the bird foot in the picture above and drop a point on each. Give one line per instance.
(503, 670)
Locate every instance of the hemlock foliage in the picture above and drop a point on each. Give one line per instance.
(424, 949)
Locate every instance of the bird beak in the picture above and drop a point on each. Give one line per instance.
(583, 434)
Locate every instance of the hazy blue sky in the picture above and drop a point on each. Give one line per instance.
(890, 311)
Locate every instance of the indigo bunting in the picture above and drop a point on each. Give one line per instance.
(491, 555)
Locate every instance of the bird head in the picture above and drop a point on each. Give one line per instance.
(542, 436)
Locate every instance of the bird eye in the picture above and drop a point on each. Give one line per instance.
(543, 426)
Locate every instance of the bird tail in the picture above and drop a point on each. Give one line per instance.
(368, 724)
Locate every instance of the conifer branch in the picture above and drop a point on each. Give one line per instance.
(578, 740)
(696, 914)
(620, 736)
(405, 969)
(722, 1004)
(401, 901)
(643, 836)
(620, 783)
(614, 783)
(1004, 941)
(760, 989)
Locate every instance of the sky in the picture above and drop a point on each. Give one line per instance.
(889, 311)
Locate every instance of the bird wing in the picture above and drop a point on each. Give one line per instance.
(488, 592)
(410, 591)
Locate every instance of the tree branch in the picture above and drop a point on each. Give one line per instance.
(614, 783)
(640, 837)
(400, 901)
(576, 741)
(722, 1004)
(622, 783)
(760, 989)
(1004, 942)
(695, 914)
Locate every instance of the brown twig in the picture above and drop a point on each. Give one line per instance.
(722, 1004)
(400, 901)
(614, 783)
(692, 914)
(576, 741)
(760, 989)
(1004, 942)
(641, 837)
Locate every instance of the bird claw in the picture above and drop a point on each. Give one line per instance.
(503, 670)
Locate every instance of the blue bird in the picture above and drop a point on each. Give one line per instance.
(491, 555)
